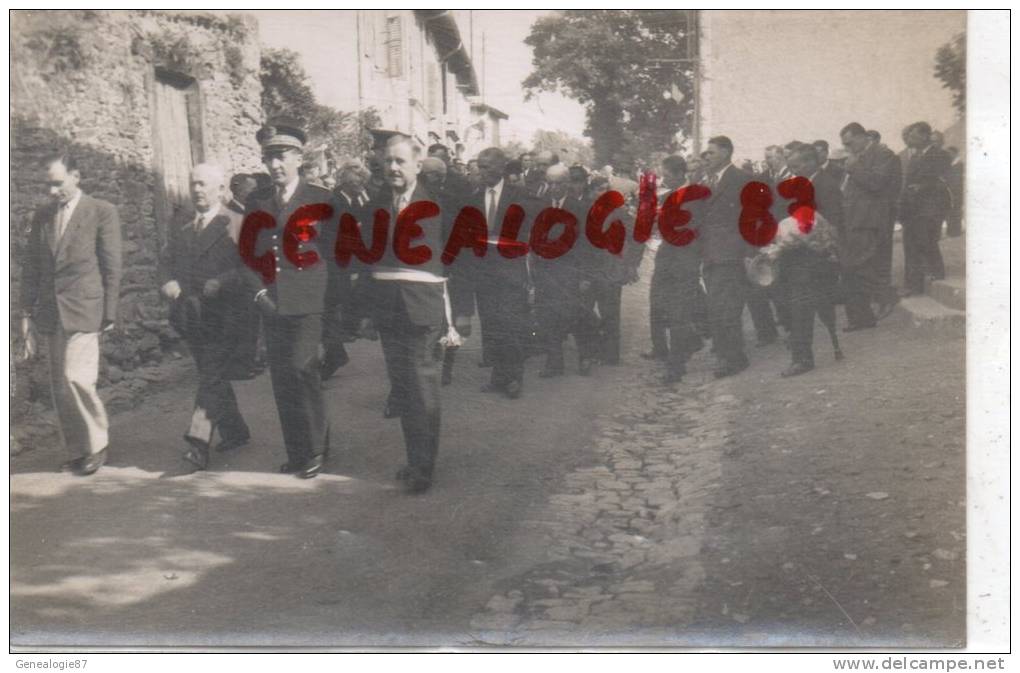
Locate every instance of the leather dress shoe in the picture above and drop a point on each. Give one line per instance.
(730, 370)
(654, 355)
(72, 465)
(289, 468)
(90, 464)
(514, 389)
(796, 369)
(231, 444)
(673, 377)
(885, 308)
(417, 479)
(333, 362)
(418, 484)
(197, 456)
(311, 468)
(856, 328)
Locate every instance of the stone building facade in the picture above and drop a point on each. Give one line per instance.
(138, 97)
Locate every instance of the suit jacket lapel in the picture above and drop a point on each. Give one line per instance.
(211, 233)
(49, 229)
(84, 204)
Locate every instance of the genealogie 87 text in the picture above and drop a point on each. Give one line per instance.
(757, 226)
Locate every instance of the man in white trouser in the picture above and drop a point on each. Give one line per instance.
(69, 290)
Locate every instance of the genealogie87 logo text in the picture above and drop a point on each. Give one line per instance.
(756, 223)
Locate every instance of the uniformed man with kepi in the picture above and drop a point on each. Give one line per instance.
(292, 297)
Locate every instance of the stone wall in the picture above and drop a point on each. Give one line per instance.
(82, 80)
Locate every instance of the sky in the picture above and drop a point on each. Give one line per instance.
(323, 39)
(777, 76)
(773, 76)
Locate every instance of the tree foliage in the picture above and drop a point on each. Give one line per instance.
(618, 64)
(287, 91)
(570, 149)
(951, 69)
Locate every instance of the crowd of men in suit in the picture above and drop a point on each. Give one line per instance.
(420, 307)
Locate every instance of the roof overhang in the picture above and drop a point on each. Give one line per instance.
(442, 28)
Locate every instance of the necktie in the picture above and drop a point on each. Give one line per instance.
(490, 211)
(61, 220)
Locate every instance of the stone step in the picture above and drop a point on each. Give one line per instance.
(924, 311)
(951, 292)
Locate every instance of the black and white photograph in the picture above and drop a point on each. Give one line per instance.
(496, 329)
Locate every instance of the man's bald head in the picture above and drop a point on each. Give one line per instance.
(558, 178)
(433, 165)
(557, 173)
(491, 166)
(433, 173)
(544, 159)
(208, 186)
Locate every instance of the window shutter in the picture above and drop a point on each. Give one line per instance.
(394, 47)
(432, 93)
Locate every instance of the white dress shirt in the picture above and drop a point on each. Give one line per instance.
(287, 191)
(64, 213)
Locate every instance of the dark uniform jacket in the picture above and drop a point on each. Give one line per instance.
(871, 185)
(869, 202)
(828, 198)
(297, 291)
(719, 223)
(75, 280)
(925, 192)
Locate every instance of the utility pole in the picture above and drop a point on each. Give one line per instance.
(691, 58)
(360, 55)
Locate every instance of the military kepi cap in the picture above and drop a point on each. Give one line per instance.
(281, 133)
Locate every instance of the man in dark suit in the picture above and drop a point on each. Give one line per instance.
(543, 160)
(564, 285)
(923, 207)
(677, 274)
(70, 287)
(807, 268)
(293, 298)
(500, 285)
(618, 270)
(201, 275)
(954, 180)
(435, 179)
(723, 253)
(869, 198)
(241, 187)
(409, 300)
(826, 167)
(340, 322)
(246, 321)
